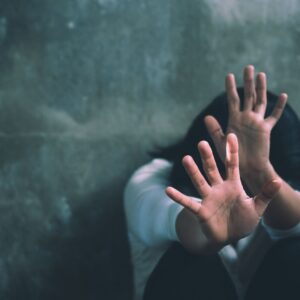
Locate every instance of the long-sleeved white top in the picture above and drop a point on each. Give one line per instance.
(151, 216)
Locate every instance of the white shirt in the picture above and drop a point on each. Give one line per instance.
(151, 216)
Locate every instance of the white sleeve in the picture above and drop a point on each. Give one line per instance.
(150, 213)
(278, 234)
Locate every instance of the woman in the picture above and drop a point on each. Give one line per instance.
(248, 217)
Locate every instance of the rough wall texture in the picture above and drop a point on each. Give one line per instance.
(86, 88)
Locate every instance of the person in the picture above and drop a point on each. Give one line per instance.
(229, 226)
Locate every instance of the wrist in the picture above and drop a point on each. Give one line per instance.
(255, 177)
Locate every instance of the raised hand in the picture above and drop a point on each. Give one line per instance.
(249, 123)
(225, 213)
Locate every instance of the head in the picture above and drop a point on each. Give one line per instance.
(284, 151)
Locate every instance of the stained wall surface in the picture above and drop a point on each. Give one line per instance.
(87, 87)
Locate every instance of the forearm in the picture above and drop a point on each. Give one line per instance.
(283, 211)
(191, 235)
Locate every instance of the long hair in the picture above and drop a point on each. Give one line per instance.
(284, 150)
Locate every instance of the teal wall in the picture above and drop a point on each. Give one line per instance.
(87, 87)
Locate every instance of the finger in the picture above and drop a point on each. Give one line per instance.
(184, 200)
(277, 111)
(232, 94)
(196, 177)
(267, 193)
(249, 88)
(232, 157)
(209, 163)
(261, 92)
(216, 133)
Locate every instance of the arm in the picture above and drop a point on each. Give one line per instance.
(284, 211)
(150, 213)
(253, 131)
(226, 213)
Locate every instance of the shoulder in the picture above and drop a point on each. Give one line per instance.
(148, 180)
(157, 171)
(155, 166)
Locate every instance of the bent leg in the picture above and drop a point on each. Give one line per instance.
(278, 276)
(182, 276)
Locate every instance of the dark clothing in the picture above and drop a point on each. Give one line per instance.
(182, 276)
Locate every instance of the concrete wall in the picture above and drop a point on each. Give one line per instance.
(86, 88)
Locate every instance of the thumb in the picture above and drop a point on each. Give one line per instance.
(267, 193)
(216, 133)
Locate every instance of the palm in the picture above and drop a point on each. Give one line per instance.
(253, 134)
(249, 124)
(226, 213)
(230, 213)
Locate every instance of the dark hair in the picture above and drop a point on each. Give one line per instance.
(284, 150)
